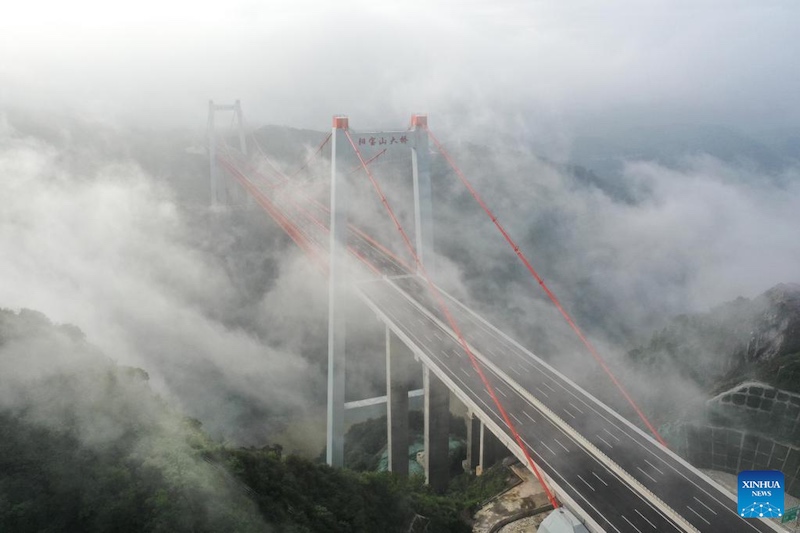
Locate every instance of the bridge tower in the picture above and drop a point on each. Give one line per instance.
(398, 356)
(336, 294)
(212, 144)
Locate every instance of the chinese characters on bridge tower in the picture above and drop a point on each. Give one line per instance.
(383, 140)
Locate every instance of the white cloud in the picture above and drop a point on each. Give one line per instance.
(299, 63)
(110, 253)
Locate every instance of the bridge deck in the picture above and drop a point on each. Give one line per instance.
(611, 469)
(620, 478)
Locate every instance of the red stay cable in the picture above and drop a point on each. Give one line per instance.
(546, 289)
(453, 325)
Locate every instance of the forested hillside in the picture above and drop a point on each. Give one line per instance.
(86, 445)
(756, 339)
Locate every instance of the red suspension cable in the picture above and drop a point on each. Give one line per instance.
(546, 289)
(295, 232)
(286, 180)
(313, 156)
(291, 229)
(453, 325)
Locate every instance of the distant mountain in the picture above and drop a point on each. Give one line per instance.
(744, 339)
(670, 145)
(745, 356)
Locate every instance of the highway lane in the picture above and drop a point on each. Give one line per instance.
(599, 491)
(673, 480)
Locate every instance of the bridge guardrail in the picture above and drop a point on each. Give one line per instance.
(577, 437)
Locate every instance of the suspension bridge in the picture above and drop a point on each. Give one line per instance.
(607, 472)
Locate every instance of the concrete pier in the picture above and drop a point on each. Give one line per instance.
(437, 431)
(399, 360)
(473, 442)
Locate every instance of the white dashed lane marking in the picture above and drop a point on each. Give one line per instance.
(704, 505)
(614, 436)
(699, 515)
(645, 518)
(564, 447)
(549, 448)
(631, 523)
(657, 469)
(576, 408)
(605, 441)
(586, 483)
(646, 474)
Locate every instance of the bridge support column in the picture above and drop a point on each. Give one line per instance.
(437, 431)
(398, 360)
(336, 295)
(491, 450)
(473, 442)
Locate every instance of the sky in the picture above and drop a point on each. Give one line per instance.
(543, 66)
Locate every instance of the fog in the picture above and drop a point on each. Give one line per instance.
(696, 236)
(110, 252)
(539, 69)
(102, 171)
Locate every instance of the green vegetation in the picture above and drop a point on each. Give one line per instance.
(365, 442)
(88, 447)
(302, 496)
(741, 340)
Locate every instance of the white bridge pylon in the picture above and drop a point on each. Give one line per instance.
(212, 143)
(414, 140)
